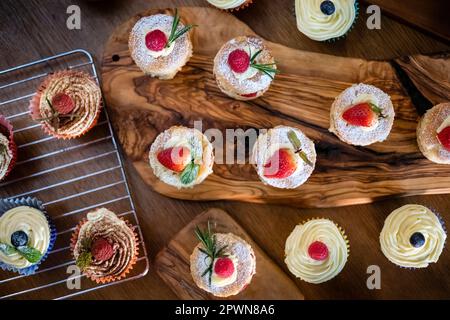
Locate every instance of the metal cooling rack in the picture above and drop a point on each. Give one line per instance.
(70, 177)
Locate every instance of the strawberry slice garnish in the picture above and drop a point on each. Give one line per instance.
(362, 114)
(175, 158)
(63, 103)
(156, 40)
(444, 138)
(280, 165)
(239, 61)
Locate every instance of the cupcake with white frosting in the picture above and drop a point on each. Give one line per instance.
(104, 246)
(160, 45)
(244, 68)
(181, 157)
(8, 148)
(67, 104)
(27, 235)
(362, 115)
(326, 20)
(316, 251)
(284, 157)
(230, 5)
(222, 264)
(413, 236)
(433, 134)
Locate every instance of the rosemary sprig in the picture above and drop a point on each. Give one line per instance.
(174, 34)
(298, 147)
(208, 240)
(266, 68)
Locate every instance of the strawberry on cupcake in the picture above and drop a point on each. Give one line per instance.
(433, 134)
(181, 157)
(362, 115)
(284, 157)
(244, 68)
(160, 45)
(222, 264)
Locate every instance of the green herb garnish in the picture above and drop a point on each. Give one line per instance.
(32, 255)
(190, 172)
(84, 260)
(266, 68)
(208, 240)
(377, 110)
(174, 34)
(298, 147)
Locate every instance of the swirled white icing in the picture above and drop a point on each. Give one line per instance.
(227, 4)
(29, 220)
(302, 265)
(318, 26)
(398, 228)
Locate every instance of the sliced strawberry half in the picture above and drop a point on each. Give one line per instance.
(239, 61)
(444, 138)
(361, 115)
(280, 165)
(175, 158)
(156, 40)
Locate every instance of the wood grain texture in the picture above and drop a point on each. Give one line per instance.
(300, 96)
(28, 37)
(430, 16)
(173, 266)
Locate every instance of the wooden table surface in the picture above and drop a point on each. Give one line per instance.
(33, 29)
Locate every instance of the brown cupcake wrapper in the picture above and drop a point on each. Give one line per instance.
(12, 144)
(241, 7)
(103, 280)
(35, 110)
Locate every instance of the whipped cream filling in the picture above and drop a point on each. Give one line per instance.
(219, 281)
(320, 27)
(5, 155)
(227, 4)
(29, 220)
(302, 265)
(398, 228)
(445, 124)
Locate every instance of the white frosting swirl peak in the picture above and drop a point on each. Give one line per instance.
(227, 4)
(306, 268)
(320, 27)
(398, 228)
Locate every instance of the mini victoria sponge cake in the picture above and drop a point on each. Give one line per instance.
(362, 115)
(433, 134)
(223, 265)
(284, 157)
(317, 250)
(413, 236)
(181, 157)
(244, 68)
(160, 45)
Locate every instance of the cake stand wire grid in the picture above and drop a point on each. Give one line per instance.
(71, 177)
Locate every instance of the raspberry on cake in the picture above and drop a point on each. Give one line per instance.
(284, 157)
(433, 134)
(222, 264)
(244, 68)
(181, 157)
(160, 45)
(362, 115)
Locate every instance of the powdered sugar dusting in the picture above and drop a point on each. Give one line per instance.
(142, 55)
(246, 265)
(357, 135)
(228, 80)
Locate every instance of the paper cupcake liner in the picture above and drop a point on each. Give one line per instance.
(12, 144)
(35, 110)
(107, 279)
(241, 7)
(351, 27)
(5, 205)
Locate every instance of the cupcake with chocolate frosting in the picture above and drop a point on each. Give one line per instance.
(67, 104)
(8, 148)
(104, 246)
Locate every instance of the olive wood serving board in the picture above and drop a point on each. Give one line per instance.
(172, 263)
(300, 96)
